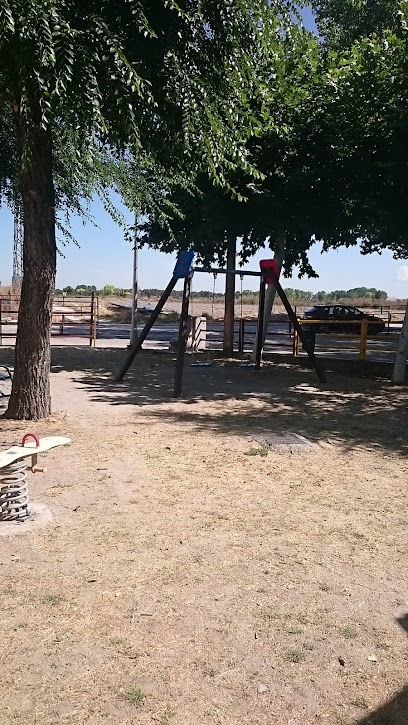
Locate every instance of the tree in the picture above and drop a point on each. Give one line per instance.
(369, 82)
(121, 80)
(109, 290)
(278, 208)
(337, 173)
(363, 116)
(341, 22)
(267, 205)
(380, 295)
(295, 197)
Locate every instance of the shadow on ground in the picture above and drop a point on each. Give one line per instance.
(394, 712)
(370, 413)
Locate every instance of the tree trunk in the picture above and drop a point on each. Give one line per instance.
(30, 395)
(229, 316)
(270, 294)
(400, 364)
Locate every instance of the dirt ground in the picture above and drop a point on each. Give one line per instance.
(188, 575)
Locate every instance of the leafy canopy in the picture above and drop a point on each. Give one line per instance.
(280, 199)
(365, 122)
(159, 84)
(333, 164)
(341, 22)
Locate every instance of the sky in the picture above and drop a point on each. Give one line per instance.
(104, 257)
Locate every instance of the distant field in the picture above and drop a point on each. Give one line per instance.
(247, 307)
(204, 306)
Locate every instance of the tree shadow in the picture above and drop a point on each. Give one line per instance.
(403, 622)
(354, 412)
(393, 712)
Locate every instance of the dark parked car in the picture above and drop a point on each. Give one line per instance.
(331, 315)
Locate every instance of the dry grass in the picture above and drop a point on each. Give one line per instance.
(180, 575)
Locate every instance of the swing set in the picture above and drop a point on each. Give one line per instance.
(184, 269)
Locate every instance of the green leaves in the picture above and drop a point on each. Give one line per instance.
(7, 25)
(364, 112)
(179, 80)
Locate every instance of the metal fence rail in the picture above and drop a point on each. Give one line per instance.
(73, 317)
(362, 337)
(282, 338)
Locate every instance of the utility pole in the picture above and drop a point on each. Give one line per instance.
(133, 325)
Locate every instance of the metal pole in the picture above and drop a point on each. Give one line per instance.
(92, 319)
(220, 270)
(94, 329)
(133, 324)
(134, 349)
(183, 335)
(259, 343)
(292, 316)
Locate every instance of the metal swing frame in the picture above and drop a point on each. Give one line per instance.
(184, 269)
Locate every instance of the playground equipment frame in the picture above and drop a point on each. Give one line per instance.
(186, 271)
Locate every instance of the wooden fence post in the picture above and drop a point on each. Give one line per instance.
(295, 342)
(363, 339)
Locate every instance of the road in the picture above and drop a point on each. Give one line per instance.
(112, 334)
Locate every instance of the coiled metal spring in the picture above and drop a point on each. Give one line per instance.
(14, 505)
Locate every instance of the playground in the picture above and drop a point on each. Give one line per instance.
(192, 575)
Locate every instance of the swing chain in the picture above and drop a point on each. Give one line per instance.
(213, 295)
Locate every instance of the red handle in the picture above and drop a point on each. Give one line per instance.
(31, 435)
